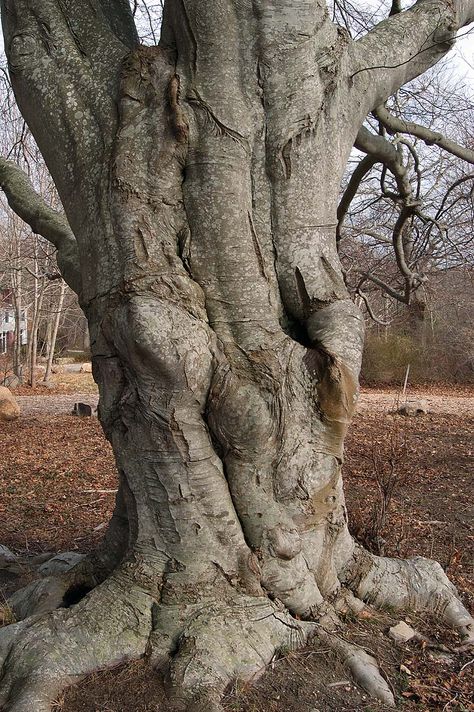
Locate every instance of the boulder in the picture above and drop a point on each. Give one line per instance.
(86, 368)
(38, 597)
(9, 563)
(9, 408)
(61, 563)
(6, 554)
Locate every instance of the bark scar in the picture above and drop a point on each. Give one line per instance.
(178, 118)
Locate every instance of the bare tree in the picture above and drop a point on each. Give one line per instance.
(408, 199)
(202, 242)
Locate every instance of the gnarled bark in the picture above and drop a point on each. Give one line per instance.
(225, 345)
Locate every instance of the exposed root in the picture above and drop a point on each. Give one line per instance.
(363, 667)
(42, 655)
(212, 639)
(225, 642)
(416, 584)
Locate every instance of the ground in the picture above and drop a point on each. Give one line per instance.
(56, 493)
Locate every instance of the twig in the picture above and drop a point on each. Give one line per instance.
(469, 662)
(99, 491)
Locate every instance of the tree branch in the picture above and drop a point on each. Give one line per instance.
(78, 50)
(120, 18)
(406, 45)
(394, 124)
(43, 220)
(382, 150)
(363, 167)
(404, 298)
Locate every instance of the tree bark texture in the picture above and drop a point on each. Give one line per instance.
(200, 179)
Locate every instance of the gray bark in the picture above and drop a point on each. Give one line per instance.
(224, 342)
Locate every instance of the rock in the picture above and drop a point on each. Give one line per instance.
(38, 597)
(413, 407)
(82, 410)
(9, 408)
(60, 563)
(86, 368)
(6, 554)
(10, 566)
(401, 633)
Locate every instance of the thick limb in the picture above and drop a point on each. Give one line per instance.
(406, 45)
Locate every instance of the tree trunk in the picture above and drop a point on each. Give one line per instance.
(224, 342)
(54, 332)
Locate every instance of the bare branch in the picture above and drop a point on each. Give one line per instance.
(404, 298)
(363, 167)
(43, 220)
(394, 124)
(368, 306)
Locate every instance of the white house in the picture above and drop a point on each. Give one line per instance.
(8, 326)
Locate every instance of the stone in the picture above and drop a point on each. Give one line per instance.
(86, 368)
(10, 566)
(6, 554)
(401, 633)
(83, 410)
(9, 408)
(60, 563)
(38, 597)
(413, 407)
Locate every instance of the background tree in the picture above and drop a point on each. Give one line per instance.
(28, 269)
(202, 242)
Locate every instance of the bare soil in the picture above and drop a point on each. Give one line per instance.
(56, 471)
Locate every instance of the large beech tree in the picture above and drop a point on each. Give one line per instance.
(200, 182)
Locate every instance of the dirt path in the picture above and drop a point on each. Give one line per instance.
(370, 400)
(442, 404)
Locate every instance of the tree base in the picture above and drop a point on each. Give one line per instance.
(204, 643)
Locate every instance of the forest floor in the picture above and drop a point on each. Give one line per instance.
(56, 493)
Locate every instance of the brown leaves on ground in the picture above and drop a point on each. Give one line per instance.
(49, 469)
